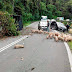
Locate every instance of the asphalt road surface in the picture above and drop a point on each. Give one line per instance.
(38, 55)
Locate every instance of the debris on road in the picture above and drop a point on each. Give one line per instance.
(30, 34)
(47, 37)
(39, 31)
(56, 38)
(45, 32)
(27, 36)
(56, 35)
(22, 58)
(50, 36)
(32, 69)
(19, 46)
(60, 36)
(69, 38)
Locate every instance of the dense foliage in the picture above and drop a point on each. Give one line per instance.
(33, 9)
(7, 24)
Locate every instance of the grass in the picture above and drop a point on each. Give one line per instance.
(27, 23)
(70, 45)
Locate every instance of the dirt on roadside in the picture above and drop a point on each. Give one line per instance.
(26, 30)
(3, 38)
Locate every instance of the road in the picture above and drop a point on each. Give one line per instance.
(38, 55)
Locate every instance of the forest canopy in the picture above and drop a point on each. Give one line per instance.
(33, 9)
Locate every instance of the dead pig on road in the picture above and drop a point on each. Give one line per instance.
(18, 46)
(56, 35)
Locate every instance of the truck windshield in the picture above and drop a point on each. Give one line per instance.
(44, 18)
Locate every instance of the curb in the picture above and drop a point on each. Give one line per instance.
(69, 54)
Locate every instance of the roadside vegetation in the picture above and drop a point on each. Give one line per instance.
(70, 45)
(8, 25)
(27, 23)
(31, 10)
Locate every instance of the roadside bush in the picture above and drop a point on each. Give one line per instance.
(65, 22)
(7, 24)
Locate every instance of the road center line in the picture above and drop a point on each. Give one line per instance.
(69, 54)
(9, 45)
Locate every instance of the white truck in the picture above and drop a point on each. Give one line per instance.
(43, 24)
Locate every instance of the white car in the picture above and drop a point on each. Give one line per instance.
(67, 19)
(43, 24)
(58, 26)
(53, 20)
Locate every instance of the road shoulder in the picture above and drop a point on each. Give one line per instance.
(69, 54)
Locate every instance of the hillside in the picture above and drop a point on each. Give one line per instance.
(33, 9)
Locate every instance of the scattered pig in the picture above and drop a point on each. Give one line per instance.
(45, 32)
(60, 38)
(19, 46)
(57, 33)
(47, 37)
(51, 36)
(56, 38)
(40, 31)
(68, 38)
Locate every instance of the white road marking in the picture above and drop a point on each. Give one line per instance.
(9, 45)
(69, 54)
(68, 51)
